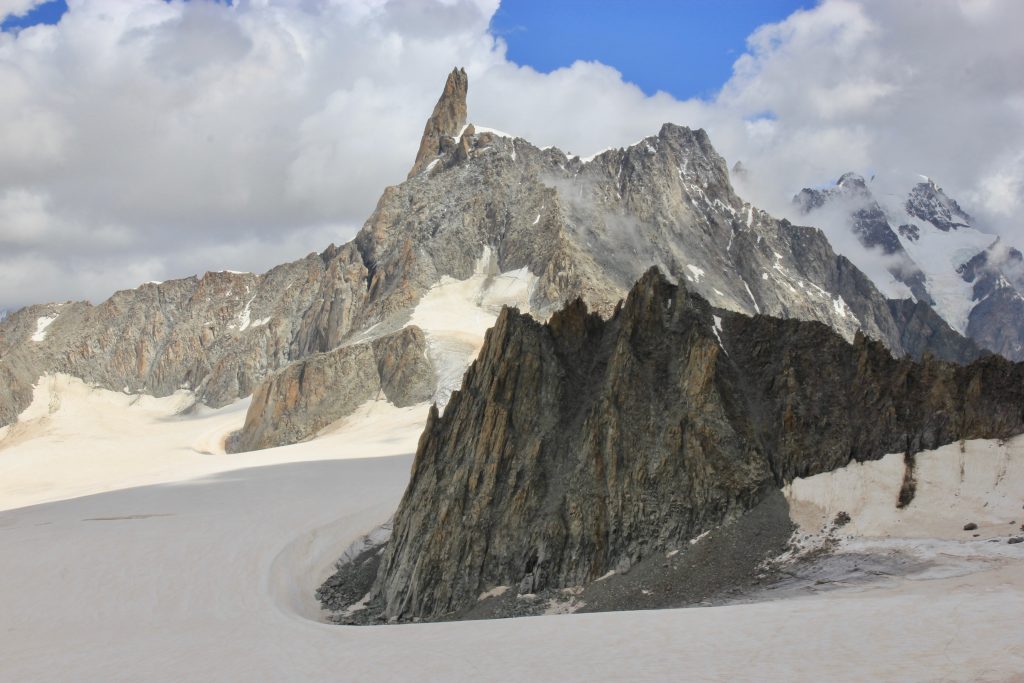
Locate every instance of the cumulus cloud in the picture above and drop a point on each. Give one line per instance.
(888, 89)
(17, 8)
(147, 139)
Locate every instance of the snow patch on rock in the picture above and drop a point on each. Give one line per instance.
(455, 314)
(42, 323)
(980, 481)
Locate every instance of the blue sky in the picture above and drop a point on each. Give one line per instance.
(47, 13)
(684, 47)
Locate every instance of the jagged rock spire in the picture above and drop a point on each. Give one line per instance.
(447, 120)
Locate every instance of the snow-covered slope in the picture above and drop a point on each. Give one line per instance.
(980, 482)
(77, 440)
(938, 254)
(456, 314)
(208, 575)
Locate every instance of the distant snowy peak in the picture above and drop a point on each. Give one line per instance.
(809, 199)
(970, 278)
(999, 265)
(927, 202)
(870, 224)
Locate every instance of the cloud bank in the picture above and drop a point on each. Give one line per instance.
(144, 139)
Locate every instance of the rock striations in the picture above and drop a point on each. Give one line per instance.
(581, 228)
(584, 445)
(303, 398)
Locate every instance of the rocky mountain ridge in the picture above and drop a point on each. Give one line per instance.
(580, 228)
(584, 445)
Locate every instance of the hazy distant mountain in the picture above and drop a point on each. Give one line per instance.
(970, 277)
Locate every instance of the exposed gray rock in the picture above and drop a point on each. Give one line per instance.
(406, 374)
(923, 331)
(584, 228)
(997, 318)
(303, 398)
(997, 321)
(445, 122)
(584, 445)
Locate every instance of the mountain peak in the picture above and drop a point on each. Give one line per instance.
(928, 202)
(447, 119)
(851, 179)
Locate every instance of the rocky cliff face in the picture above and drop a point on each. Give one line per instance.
(924, 332)
(303, 398)
(996, 276)
(217, 335)
(581, 227)
(584, 445)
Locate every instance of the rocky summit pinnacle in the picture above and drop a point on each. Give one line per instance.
(928, 202)
(447, 120)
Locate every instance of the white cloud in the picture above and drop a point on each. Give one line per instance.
(17, 8)
(144, 140)
(886, 88)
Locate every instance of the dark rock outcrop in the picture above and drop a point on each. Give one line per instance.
(300, 400)
(997, 321)
(923, 331)
(584, 445)
(997, 279)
